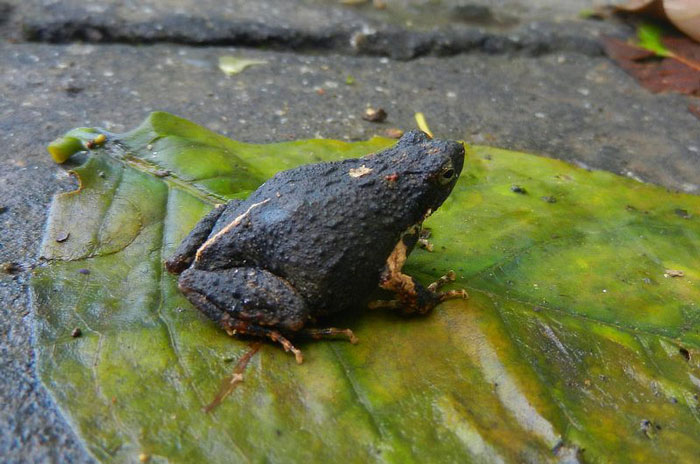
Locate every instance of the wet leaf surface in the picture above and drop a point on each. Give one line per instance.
(573, 345)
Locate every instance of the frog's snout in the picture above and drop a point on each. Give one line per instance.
(456, 153)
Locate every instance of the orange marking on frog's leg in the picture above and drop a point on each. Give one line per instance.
(392, 278)
(404, 286)
(328, 332)
(411, 296)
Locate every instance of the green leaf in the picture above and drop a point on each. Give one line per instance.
(231, 65)
(650, 38)
(575, 344)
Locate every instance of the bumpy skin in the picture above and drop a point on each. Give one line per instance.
(321, 232)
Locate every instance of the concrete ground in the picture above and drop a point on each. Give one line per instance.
(519, 74)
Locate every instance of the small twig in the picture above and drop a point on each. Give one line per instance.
(229, 383)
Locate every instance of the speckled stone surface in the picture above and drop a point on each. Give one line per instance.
(556, 101)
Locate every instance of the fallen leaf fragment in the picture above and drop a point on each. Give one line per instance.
(231, 65)
(673, 273)
(374, 115)
(423, 124)
(229, 383)
(63, 148)
(679, 72)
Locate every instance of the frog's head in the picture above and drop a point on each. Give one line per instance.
(426, 170)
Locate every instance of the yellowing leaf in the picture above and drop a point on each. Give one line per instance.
(423, 124)
(572, 346)
(231, 65)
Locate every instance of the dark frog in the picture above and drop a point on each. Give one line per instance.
(317, 240)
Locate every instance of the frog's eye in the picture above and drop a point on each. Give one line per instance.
(447, 173)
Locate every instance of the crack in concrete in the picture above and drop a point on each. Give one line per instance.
(356, 38)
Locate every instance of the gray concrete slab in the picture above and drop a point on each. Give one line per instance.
(401, 29)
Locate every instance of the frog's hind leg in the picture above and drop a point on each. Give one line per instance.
(185, 252)
(250, 301)
(411, 296)
(234, 326)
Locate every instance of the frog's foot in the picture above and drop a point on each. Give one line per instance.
(446, 279)
(452, 294)
(235, 326)
(286, 344)
(247, 301)
(185, 252)
(426, 244)
(328, 332)
(411, 296)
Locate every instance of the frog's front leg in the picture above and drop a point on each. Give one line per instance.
(411, 296)
(186, 251)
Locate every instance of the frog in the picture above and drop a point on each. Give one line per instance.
(318, 240)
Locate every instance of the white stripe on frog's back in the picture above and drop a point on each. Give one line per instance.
(227, 228)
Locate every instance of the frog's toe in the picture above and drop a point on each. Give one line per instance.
(453, 294)
(329, 332)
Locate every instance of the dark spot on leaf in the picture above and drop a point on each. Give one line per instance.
(685, 353)
(518, 189)
(3, 209)
(682, 213)
(84, 271)
(76, 332)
